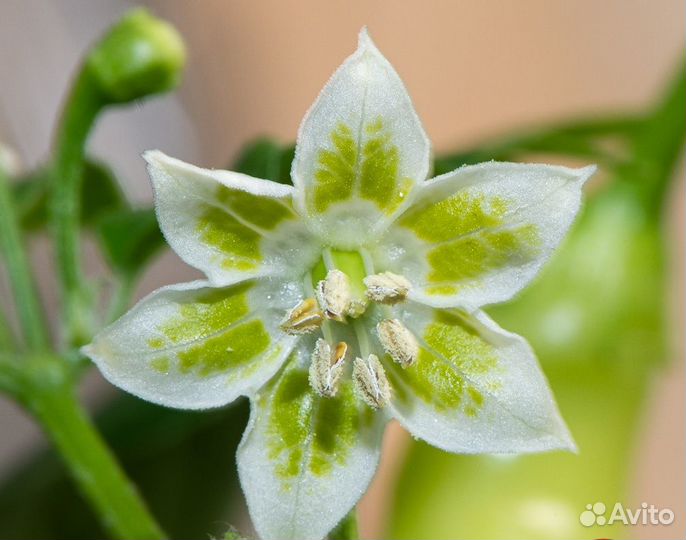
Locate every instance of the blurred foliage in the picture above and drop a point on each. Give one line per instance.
(595, 318)
(100, 194)
(182, 462)
(129, 239)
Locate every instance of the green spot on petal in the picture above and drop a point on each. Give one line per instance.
(307, 432)
(460, 214)
(335, 175)
(370, 169)
(229, 236)
(380, 170)
(472, 239)
(444, 373)
(444, 290)
(336, 428)
(161, 364)
(156, 343)
(211, 311)
(473, 256)
(264, 212)
(227, 350)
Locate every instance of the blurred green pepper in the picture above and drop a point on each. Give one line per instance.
(596, 319)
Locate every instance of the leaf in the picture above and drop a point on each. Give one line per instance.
(100, 194)
(265, 158)
(129, 239)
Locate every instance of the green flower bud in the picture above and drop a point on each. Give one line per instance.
(140, 55)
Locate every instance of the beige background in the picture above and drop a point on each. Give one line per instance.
(473, 67)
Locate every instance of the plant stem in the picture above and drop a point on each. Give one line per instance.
(51, 398)
(20, 276)
(659, 144)
(78, 117)
(347, 528)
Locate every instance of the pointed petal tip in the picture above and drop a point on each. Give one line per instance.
(568, 444)
(363, 36)
(87, 350)
(364, 40)
(154, 157)
(586, 172)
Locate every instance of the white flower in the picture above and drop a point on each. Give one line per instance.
(359, 207)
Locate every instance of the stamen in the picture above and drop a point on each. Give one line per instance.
(387, 288)
(326, 367)
(333, 294)
(398, 341)
(303, 318)
(370, 382)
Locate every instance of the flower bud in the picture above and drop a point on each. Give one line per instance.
(139, 56)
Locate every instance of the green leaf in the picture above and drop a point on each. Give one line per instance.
(129, 239)
(605, 141)
(265, 158)
(100, 194)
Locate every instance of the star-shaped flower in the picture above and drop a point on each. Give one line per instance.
(348, 299)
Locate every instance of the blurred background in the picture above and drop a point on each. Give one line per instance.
(473, 68)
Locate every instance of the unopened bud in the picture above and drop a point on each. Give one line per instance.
(326, 367)
(387, 288)
(139, 56)
(398, 342)
(370, 381)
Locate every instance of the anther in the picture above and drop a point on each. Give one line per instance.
(326, 367)
(303, 318)
(387, 288)
(398, 341)
(370, 382)
(333, 294)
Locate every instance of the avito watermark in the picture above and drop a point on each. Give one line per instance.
(644, 515)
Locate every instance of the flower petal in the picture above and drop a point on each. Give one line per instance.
(229, 225)
(361, 149)
(305, 460)
(475, 388)
(193, 347)
(479, 234)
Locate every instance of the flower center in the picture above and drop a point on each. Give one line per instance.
(344, 298)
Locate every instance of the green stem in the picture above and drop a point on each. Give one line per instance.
(658, 146)
(52, 400)
(19, 271)
(347, 528)
(82, 107)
